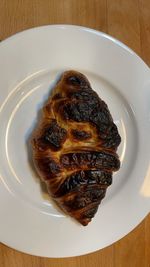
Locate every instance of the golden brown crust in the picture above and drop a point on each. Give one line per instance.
(74, 147)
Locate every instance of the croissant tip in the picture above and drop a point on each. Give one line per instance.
(85, 221)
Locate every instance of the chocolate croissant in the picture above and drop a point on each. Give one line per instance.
(74, 147)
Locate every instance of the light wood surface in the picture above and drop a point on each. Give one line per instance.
(128, 21)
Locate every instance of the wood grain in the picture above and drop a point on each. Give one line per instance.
(144, 20)
(123, 22)
(128, 21)
(131, 252)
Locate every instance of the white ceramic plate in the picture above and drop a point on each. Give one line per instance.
(29, 64)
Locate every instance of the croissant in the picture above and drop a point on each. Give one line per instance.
(74, 147)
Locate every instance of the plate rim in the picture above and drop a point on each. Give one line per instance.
(84, 28)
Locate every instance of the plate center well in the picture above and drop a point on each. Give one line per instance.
(22, 110)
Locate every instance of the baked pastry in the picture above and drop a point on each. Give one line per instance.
(74, 147)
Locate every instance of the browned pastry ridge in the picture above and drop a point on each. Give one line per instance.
(74, 147)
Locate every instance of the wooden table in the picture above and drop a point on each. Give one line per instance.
(128, 21)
